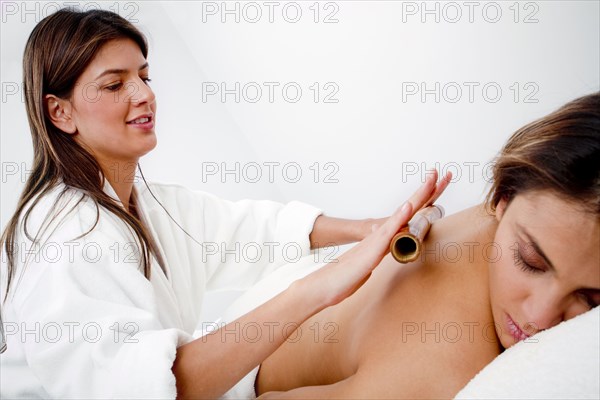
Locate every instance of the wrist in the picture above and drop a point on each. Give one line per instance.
(365, 228)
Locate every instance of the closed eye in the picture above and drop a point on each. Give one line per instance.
(524, 261)
(114, 87)
(527, 267)
(117, 86)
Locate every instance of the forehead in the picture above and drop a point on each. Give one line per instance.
(115, 54)
(569, 236)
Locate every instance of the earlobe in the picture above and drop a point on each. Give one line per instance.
(59, 112)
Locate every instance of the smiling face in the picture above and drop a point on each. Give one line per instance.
(549, 270)
(104, 103)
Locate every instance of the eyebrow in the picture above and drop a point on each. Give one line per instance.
(119, 70)
(536, 247)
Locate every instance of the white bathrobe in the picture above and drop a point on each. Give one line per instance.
(81, 319)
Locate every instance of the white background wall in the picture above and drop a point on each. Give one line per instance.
(374, 143)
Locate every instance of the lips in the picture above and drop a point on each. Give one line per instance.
(514, 329)
(142, 119)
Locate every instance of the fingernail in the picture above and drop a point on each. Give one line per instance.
(404, 207)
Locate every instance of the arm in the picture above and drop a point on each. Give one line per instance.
(420, 370)
(208, 366)
(340, 390)
(385, 379)
(329, 231)
(106, 339)
(231, 244)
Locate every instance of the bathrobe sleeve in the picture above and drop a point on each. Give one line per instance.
(240, 242)
(88, 317)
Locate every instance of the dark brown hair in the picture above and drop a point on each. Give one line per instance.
(57, 52)
(559, 152)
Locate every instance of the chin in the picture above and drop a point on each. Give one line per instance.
(149, 146)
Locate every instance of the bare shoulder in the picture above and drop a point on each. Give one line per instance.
(432, 323)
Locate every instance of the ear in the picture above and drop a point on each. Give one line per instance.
(501, 208)
(59, 112)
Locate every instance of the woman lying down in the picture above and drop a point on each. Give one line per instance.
(523, 261)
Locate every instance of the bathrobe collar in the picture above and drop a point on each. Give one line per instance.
(109, 190)
(141, 211)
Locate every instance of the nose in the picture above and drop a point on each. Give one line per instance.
(141, 93)
(542, 310)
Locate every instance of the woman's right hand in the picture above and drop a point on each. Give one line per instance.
(342, 277)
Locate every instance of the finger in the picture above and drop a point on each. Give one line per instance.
(405, 212)
(441, 186)
(425, 192)
(376, 245)
(398, 219)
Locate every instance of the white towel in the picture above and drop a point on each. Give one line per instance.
(560, 363)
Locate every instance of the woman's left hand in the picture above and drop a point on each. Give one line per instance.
(369, 225)
(329, 231)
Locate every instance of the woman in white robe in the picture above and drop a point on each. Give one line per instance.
(103, 279)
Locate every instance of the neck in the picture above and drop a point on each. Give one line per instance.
(468, 225)
(121, 176)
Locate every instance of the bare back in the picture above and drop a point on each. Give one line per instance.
(420, 330)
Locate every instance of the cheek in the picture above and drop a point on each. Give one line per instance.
(101, 123)
(110, 109)
(107, 122)
(505, 276)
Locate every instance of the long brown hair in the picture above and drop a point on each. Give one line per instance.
(559, 152)
(57, 52)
